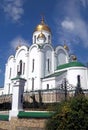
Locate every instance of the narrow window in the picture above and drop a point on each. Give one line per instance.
(18, 69)
(33, 63)
(23, 68)
(34, 39)
(49, 38)
(20, 66)
(2, 93)
(10, 73)
(32, 84)
(48, 64)
(9, 89)
(47, 86)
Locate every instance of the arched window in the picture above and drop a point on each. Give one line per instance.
(33, 64)
(48, 64)
(47, 86)
(10, 73)
(20, 66)
(23, 68)
(48, 38)
(32, 84)
(9, 89)
(35, 39)
(61, 57)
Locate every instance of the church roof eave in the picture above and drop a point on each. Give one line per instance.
(71, 64)
(55, 74)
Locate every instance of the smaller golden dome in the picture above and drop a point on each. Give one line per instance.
(18, 47)
(74, 58)
(66, 47)
(41, 35)
(42, 26)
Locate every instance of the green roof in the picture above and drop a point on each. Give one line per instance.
(4, 117)
(71, 64)
(55, 74)
(33, 114)
(18, 77)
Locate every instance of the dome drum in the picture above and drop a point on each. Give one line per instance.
(42, 33)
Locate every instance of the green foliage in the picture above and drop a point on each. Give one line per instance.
(70, 115)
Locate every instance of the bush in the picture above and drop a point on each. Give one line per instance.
(70, 115)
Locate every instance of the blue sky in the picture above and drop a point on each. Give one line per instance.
(68, 20)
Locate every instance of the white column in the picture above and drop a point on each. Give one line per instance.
(41, 64)
(27, 70)
(6, 79)
(53, 62)
(40, 67)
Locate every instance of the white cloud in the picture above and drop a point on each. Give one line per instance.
(77, 28)
(68, 24)
(13, 9)
(84, 3)
(82, 30)
(18, 41)
(73, 25)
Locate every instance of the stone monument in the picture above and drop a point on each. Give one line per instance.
(17, 97)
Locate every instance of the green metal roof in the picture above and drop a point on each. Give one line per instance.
(55, 74)
(71, 64)
(18, 77)
(33, 114)
(4, 117)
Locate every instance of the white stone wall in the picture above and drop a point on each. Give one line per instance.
(1, 91)
(48, 82)
(9, 74)
(72, 74)
(22, 54)
(34, 68)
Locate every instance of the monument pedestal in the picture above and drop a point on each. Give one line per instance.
(17, 97)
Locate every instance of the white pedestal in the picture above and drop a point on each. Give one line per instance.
(17, 98)
(13, 114)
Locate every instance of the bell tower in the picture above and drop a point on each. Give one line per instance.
(42, 33)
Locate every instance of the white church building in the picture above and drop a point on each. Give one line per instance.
(43, 66)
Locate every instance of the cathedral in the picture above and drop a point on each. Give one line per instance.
(45, 68)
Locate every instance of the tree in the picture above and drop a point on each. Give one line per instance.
(70, 115)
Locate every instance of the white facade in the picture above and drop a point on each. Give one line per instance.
(43, 66)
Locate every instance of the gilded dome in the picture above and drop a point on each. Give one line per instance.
(74, 57)
(42, 26)
(66, 47)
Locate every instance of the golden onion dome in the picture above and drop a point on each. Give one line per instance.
(74, 58)
(66, 47)
(42, 26)
(41, 35)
